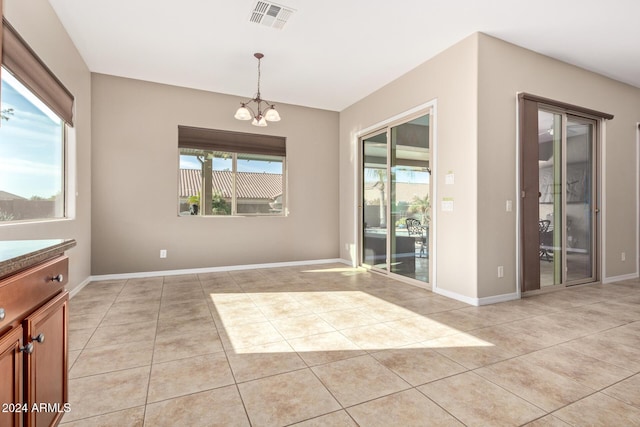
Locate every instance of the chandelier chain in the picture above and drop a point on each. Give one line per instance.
(259, 78)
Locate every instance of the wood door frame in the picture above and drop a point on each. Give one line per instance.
(529, 236)
(528, 107)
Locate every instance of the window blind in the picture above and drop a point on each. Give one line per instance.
(27, 67)
(236, 142)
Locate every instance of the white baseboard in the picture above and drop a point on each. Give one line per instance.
(349, 262)
(74, 291)
(498, 298)
(619, 278)
(477, 301)
(456, 296)
(139, 275)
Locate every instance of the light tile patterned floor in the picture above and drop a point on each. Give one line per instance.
(328, 345)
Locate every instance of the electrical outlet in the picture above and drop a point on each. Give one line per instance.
(163, 253)
(500, 271)
(623, 256)
(509, 206)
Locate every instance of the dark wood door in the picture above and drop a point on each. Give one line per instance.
(530, 194)
(11, 378)
(46, 366)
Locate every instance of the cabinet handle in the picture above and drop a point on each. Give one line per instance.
(2, 314)
(27, 348)
(58, 278)
(39, 338)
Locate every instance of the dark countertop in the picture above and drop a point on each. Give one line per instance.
(17, 255)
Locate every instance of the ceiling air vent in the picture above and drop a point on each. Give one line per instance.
(271, 14)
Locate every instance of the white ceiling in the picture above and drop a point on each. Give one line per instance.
(333, 53)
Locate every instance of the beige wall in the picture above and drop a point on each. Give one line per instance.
(504, 70)
(135, 180)
(38, 24)
(449, 78)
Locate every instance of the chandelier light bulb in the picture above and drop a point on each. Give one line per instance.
(272, 115)
(259, 121)
(243, 113)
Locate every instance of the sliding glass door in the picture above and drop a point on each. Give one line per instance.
(560, 195)
(580, 198)
(396, 205)
(567, 194)
(375, 191)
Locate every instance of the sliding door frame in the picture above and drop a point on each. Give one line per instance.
(361, 141)
(429, 108)
(528, 108)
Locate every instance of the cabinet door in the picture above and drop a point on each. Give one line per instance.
(46, 366)
(11, 378)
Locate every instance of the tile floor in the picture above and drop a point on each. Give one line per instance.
(328, 345)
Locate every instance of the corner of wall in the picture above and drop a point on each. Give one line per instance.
(38, 24)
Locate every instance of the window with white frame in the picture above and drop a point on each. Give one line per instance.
(238, 173)
(35, 110)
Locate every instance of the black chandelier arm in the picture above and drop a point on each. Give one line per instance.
(248, 101)
(246, 105)
(259, 103)
(271, 105)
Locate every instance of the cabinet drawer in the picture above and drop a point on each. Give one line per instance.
(22, 293)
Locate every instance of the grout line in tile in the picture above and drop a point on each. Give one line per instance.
(226, 356)
(437, 404)
(153, 355)
(63, 422)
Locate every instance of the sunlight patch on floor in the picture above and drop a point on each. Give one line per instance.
(329, 321)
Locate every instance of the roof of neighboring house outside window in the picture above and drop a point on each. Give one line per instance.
(250, 185)
(4, 195)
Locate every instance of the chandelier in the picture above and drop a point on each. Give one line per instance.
(264, 113)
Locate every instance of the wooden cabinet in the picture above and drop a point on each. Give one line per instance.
(11, 378)
(46, 366)
(33, 345)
